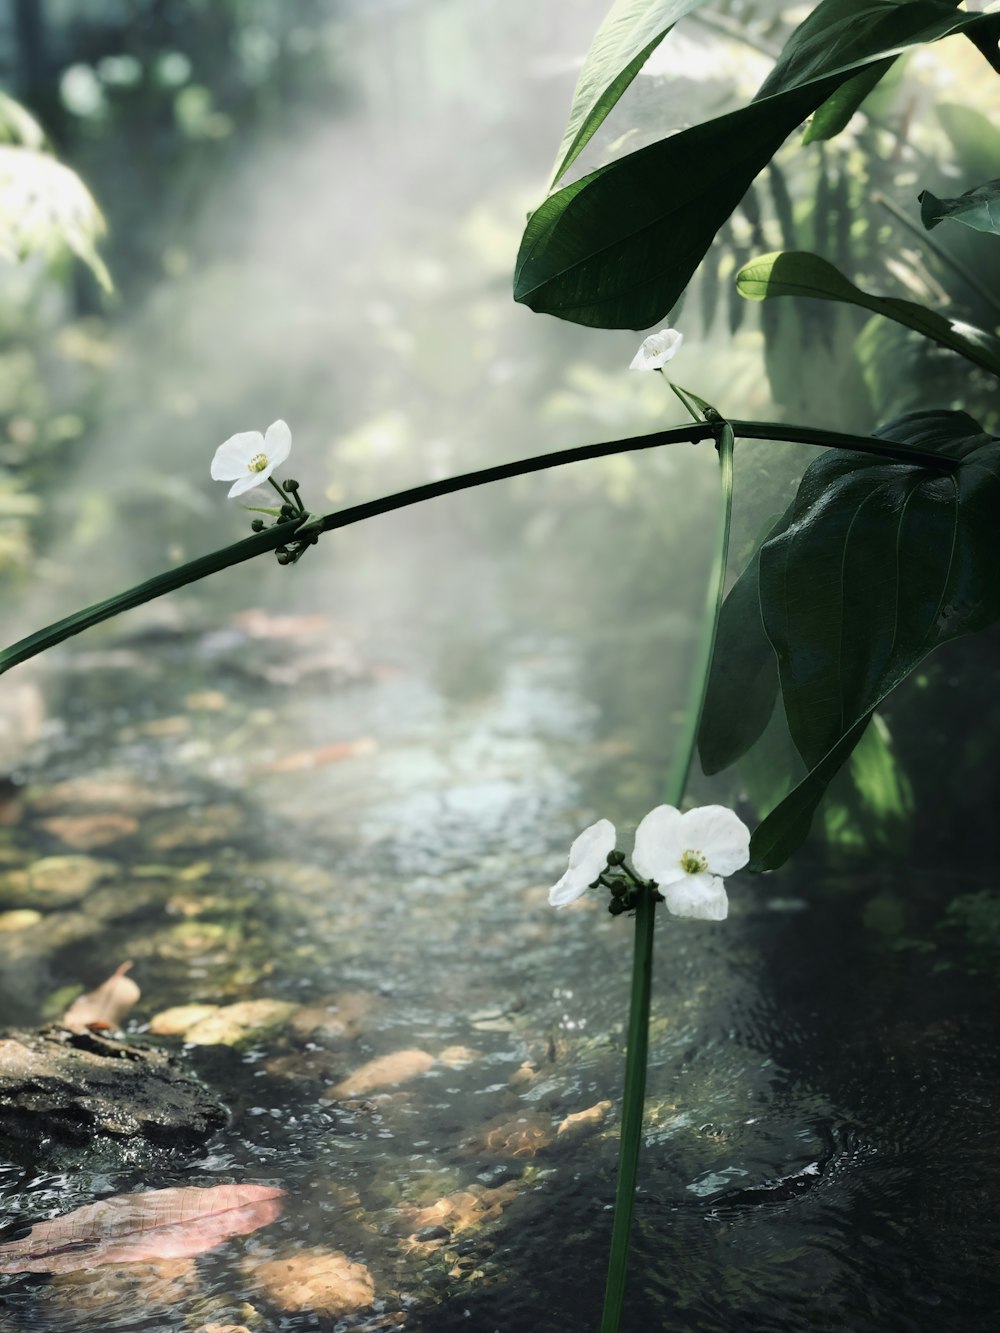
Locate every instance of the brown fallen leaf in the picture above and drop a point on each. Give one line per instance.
(132, 1228)
(106, 1006)
(386, 1071)
(301, 760)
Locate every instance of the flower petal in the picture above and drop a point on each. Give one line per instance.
(657, 350)
(659, 845)
(232, 458)
(277, 442)
(587, 858)
(251, 480)
(720, 835)
(700, 896)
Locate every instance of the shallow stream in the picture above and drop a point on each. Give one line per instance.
(361, 818)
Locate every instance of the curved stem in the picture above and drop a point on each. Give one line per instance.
(272, 537)
(645, 917)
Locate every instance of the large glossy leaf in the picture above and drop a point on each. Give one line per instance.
(879, 564)
(617, 248)
(798, 273)
(632, 30)
(978, 208)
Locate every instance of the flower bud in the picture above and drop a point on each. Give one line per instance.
(257, 525)
(290, 486)
(616, 858)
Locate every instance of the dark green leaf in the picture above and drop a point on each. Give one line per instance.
(952, 434)
(978, 208)
(879, 564)
(787, 826)
(617, 248)
(837, 110)
(798, 273)
(629, 34)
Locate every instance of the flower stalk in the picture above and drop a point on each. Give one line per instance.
(636, 1054)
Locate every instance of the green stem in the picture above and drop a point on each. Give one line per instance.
(632, 1105)
(274, 536)
(638, 1018)
(684, 753)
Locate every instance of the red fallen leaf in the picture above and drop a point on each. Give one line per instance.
(128, 1228)
(105, 1007)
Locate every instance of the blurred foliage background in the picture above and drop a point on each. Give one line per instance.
(312, 212)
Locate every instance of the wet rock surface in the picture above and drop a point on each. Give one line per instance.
(78, 1089)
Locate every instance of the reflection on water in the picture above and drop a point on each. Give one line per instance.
(821, 1145)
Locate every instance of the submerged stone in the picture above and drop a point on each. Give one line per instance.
(236, 1024)
(519, 1135)
(54, 881)
(77, 1088)
(87, 832)
(316, 1281)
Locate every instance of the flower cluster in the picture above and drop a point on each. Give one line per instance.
(681, 857)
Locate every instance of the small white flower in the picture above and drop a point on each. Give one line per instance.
(657, 350)
(587, 858)
(688, 854)
(249, 458)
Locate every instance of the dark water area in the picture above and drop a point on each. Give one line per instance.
(821, 1147)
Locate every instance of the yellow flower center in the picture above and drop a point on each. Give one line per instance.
(258, 463)
(694, 863)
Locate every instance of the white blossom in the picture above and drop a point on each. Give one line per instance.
(657, 350)
(249, 458)
(685, 855)
(689, 854)
(587, 858)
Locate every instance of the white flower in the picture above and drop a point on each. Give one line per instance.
(587, 858)
(248, 459)
(657, 349)
(688, 854)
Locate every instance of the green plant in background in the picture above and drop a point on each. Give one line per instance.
(45, 208)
